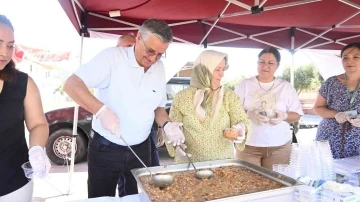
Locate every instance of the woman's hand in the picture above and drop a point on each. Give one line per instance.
(342, 117)
(39, 162)
(236, 134)
(257, 117)
(279, 117)
(355, 122)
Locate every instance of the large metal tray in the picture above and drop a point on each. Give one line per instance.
(282, 194)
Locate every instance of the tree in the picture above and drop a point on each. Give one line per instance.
(231, 84)
(306, 78)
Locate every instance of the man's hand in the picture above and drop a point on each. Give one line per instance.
(257, 117)
(39, 162)
(174, 133)
(342, 117)
(279, 117)
(109, 120)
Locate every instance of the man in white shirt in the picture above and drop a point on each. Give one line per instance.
(131, 93)
(128, 41)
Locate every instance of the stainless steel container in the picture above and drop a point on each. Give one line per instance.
(283, 194)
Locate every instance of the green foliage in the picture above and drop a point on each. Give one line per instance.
(307, 78)
(231, 84)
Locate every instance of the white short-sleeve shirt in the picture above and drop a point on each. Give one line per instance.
(281, 96)
(123, 86)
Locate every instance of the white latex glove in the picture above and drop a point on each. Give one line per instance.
(242, 130)
(342, 117)
(109, 120)
(257, 117)
(355, 122)
(239, 140)
(174, 133)
(279, 117)
(180, 151)
(39, 162)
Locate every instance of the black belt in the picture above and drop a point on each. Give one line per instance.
(106, 142)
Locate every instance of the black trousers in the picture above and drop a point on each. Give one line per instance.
(155, 161)
(108, 161)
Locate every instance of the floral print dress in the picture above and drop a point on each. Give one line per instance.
(205, 141)
(344, 138)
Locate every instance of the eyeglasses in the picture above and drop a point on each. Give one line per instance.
(270, 64)
(150, 52)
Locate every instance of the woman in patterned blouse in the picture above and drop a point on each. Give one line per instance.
(338, 103)
(206, 109)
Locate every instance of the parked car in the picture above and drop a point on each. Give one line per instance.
(60, 123)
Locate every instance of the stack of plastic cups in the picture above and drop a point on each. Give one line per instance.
(295, 164)
(304, 154)
(317, 162)
(282, 169)
(306, 167)
(327, 159)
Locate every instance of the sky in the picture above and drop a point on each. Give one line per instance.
(49, 28)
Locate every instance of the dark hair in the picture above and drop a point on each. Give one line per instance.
(350, 45)
(157, 27)
(9, 72)
(272, 50)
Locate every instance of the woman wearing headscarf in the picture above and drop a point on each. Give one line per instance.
(206, 109)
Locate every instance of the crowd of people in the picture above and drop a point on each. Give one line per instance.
(131, 94)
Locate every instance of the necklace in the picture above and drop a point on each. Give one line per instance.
(263, 88)
(351, 95)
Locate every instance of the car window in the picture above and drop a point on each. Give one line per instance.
(172, 89)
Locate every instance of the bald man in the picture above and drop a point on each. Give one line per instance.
(126, 41)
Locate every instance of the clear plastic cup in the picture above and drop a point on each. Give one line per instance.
(27, 170)
(231, 133)
(270, 113)
(282, 169)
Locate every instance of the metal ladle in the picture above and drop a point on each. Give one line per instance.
(161, 181)
(200, 174)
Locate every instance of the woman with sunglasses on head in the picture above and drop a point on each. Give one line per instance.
(207, 111)
(19, 102)
(271, 104)
(338, 103)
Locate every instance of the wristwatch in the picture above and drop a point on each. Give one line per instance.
(166, 122)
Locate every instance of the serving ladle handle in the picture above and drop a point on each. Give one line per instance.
(188, 158)
(136, 156)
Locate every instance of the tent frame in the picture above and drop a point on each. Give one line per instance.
(257, 8)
